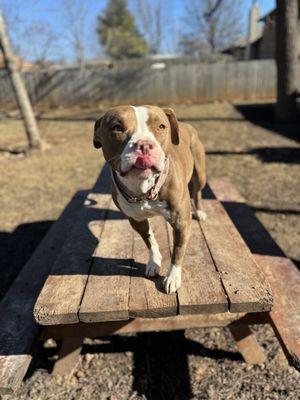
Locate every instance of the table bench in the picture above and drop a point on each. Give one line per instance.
(86, 279)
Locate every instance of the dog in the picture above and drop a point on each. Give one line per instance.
(153, 157)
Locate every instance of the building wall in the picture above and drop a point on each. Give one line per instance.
(267, 44)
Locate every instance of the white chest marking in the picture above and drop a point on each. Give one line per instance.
(143, 209)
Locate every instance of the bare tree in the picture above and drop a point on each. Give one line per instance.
(41, 42)
(154, 18)
(211, 25)
(20, 90)
(30, 38)
(286, 59)
(75, 15)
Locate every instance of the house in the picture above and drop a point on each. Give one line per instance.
(260, 42)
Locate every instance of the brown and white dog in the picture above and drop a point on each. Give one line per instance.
(153, 157)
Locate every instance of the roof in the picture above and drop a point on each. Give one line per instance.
(269, 14)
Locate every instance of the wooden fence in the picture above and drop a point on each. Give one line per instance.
(194, 83)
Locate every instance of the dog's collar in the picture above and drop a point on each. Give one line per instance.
(152, 193)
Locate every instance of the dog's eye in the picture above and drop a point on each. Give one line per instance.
(162, 126)
(117, 128)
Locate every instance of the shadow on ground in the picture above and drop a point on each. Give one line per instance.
(263, 115)
(287, 155)
(16, 248)
(160, 361)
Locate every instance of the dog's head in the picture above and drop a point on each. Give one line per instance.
(136, 140)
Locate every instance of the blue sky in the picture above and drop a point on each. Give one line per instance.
(48, 15)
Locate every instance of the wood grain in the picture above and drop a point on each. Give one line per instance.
(61, 295)
(201, 290)
(245, 284)
(247, 344)
(281, 272)
(284, 279)
(140, 325)
(18, 328)
(147, 296)
(107, 290)
(68, 356)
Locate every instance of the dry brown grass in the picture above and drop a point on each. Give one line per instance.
(37, 187)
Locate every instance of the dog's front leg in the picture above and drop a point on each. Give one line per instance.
(144, 229)
(181, 234)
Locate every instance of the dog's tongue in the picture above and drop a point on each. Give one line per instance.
(143, 162)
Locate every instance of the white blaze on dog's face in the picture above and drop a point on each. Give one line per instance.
(135, 139)
(143, 155)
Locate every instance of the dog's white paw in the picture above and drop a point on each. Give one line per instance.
(152, 269)
(200, 215)
(154, 263)
(172, 281)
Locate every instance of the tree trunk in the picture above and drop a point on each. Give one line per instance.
(20, 90)
(286, 59)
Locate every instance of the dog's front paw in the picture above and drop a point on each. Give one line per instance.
(152, 269)
(172, 281)
(200, 215)
(154, 263)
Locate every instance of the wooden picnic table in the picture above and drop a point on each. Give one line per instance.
(100, 273)
(89, 268)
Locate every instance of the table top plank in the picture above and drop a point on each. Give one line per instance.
(244, 282)
(147, 297)
(60, 298)
(201, 290)
(107, 290)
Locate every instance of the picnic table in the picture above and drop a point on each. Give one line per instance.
(89, 281)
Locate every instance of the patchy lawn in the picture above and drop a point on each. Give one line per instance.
(261, 158)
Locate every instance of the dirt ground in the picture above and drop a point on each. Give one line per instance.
(260, 157)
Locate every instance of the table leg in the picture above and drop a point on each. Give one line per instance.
(247, 344)
(68, 356)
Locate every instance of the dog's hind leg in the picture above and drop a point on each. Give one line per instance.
(144, 229)
(199, 176)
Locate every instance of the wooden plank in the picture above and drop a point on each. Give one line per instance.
(245, 284)
(247, 344)
(281, 272)
(201, 289)
(107, 290)
(12, 371)
(68, 356)
(147, 296)
(140, 325)
(61, 295)
(18, 328)
(284, 279)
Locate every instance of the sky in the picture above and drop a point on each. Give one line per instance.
(48, 16)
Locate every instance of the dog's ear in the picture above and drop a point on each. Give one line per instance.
(174, 124)
(97, 128)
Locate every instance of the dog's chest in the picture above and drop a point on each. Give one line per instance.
(143, 209)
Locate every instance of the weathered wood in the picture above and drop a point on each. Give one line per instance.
(281, 273)
(140, 85)
(147, 296)
(201, 290)
(284, 279)
(68, 356)
(61, 295)
(245, 284)
(12, 370)
(140, 325)
(18, 328)
(19, 88)
(247, 344)
(106, 294)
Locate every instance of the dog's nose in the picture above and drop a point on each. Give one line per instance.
(145, 146)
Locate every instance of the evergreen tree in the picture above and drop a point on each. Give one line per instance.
(118, 32)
